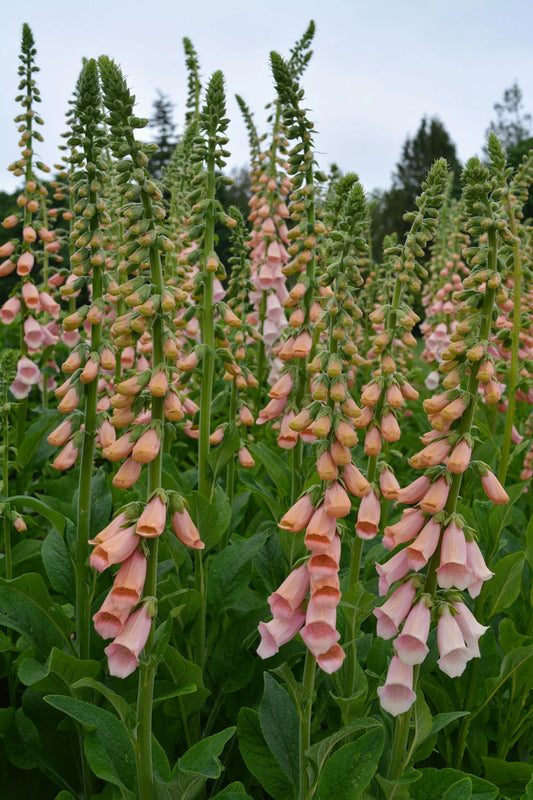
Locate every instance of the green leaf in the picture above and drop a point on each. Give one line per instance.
(22, 743)
(121, 706)
(529, 543)
(258, 758)
(108, 746)
(518, 663)
(318, 753)
(59, 673)
(357, 603)
(219, 456)
(422, 721)
(508, 775)
(26, 606)
(55, 518)
(161, 767)
(173, 478)
(501, 515)
(529, 790)
(434, 783)
(211, 517)
(184, 673)
(279, 724)
(229, 572)
(64, 795)
(350, 769)
(101, 502)
(275, 507)
(504, 587)
(399, 789)
(275, 467)
(25, 557)
(462, 790)
(441, 720)
(58, 565)
(234, 791)
(202, 757)
(34, 436)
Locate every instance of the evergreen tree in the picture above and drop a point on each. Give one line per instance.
(512, 126)
(430, 142)
(166, 139)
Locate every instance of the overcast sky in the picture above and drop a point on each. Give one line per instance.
(378, 66)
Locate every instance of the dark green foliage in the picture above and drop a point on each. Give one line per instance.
(512, 126)
(430, 142)
(165, 139)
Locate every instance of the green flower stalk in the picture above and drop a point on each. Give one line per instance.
(514, 197)
(436, 534)
(240, 333)
(90, 177)
(142, 196)
(23, 253)
(210, 150)
(304, 177)
(270, 187)
(8, 369)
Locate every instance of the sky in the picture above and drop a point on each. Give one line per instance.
(378, 67)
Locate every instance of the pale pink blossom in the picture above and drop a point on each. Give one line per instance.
(320, 530)
(320, 632)
(9, 310)
(123, 652)
(391, 571)
(405, 529)
(415, 491)
(332, 659)
(493, 488)
(110, 618)
(453, 569)
(411, 645)
(298, 516)
(470, 628)
(278, 632)
(290, 595)
(186, 530)
(336, 501)
(397, 695)
(394, 610)
(152, 520)
(420, 551)
(114, 549)
(452, 649)
(368, 516)
(477, 567)
(436, 496)
(129, 581)
(326, 564)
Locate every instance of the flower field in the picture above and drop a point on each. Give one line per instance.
(266, 499)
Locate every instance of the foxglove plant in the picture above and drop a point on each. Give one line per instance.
(433, 532)
(22, 253)
(142, 209)
(319, 510)
(304, 176)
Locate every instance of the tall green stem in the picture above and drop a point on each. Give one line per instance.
(83, 591)
(5, 492)
(230, 475)
(306, 708)
(148, 668)
(206, 391)
(302, 379)
(208, 335)
(515, 342)
(261, 354)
